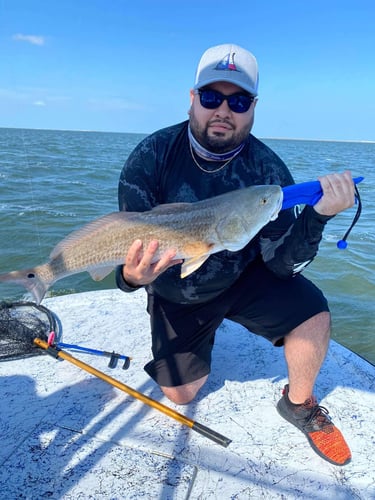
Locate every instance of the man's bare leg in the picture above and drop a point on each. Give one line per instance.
(305, 350)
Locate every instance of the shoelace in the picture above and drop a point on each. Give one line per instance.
(319, 413)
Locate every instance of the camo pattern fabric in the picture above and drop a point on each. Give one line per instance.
(161, 170)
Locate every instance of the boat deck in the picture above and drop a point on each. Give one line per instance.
(68, 434)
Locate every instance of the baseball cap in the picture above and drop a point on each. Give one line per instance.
(228, 63)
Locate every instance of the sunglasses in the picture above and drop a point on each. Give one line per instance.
(212, 99)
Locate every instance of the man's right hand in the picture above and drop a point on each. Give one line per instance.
(139, 268)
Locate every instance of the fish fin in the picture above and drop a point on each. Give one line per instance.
(170, 207)
(192, 264)
(100, 273)
(89, 229)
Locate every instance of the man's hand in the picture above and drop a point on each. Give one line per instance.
(139, 269)
(338, 193)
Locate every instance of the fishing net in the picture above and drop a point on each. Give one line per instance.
(20, 324)
(23, 322)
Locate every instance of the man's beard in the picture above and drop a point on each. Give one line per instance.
(217, 144)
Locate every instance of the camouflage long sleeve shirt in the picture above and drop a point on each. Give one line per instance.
(161, 170)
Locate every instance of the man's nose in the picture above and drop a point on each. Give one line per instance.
(223, 109)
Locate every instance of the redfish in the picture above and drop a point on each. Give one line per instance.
(195, 230)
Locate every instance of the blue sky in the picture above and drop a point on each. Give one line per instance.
(121, 66)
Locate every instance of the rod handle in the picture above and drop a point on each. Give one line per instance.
(210, 434)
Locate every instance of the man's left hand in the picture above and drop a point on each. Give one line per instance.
(338, 193)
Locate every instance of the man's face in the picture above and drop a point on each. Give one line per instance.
(220, 130)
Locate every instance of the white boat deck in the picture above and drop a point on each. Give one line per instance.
(67, 434)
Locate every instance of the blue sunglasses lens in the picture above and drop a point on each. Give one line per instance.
(212, 99)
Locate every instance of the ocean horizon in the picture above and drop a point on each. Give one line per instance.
(362, 141)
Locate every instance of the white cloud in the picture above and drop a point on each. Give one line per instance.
(39, 103)
(33, 39)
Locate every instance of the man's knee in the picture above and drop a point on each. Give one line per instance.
(183, 394)
(318, 326)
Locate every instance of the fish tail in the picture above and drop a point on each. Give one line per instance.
(30, 279)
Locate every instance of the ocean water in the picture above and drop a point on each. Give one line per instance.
(52, 182)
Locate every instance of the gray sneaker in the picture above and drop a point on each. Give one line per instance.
(313, 420)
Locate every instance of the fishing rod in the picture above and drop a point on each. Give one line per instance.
(195, 426)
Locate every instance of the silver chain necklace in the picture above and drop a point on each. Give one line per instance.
(210, 171)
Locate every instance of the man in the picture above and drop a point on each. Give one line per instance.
(260, 286)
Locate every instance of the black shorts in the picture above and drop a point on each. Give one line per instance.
(183, 335)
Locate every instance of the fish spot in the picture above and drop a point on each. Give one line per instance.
(31, 275)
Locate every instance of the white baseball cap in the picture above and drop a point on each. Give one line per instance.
(228, 63)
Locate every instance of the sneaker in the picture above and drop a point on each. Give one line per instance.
(314, 422)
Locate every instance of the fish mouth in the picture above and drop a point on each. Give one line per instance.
(278, 208)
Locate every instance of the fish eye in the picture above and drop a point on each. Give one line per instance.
(31, 275)
(263, 201)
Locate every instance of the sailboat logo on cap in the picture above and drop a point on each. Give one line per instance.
(227, 63)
